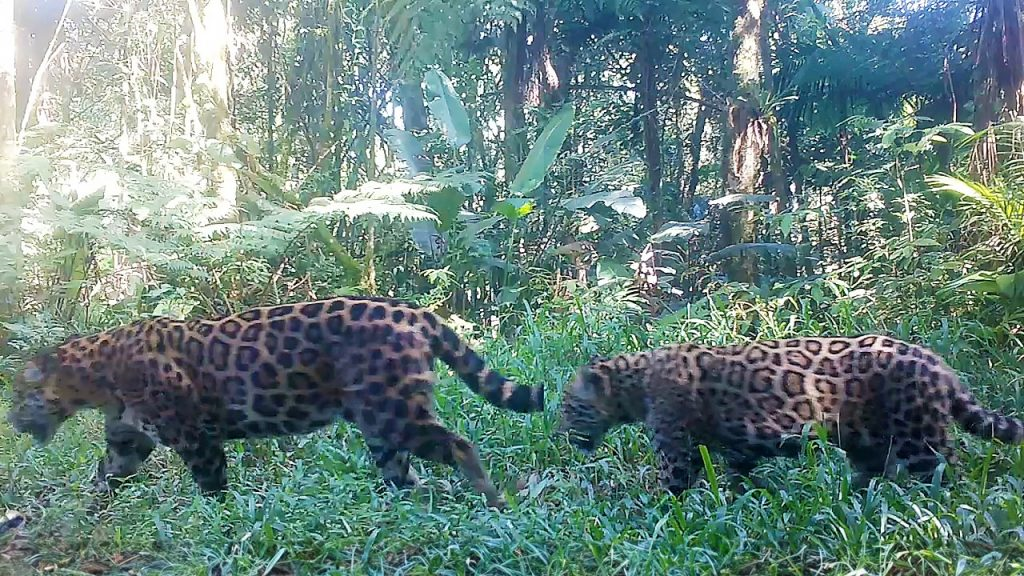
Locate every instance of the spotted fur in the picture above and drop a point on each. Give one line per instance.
(269, 371)
(887, 403)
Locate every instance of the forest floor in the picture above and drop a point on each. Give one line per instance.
(316, 505)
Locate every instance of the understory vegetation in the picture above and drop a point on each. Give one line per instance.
(557, 179)
(317, 505)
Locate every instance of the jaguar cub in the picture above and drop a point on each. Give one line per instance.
(887, 403)
(272, 370)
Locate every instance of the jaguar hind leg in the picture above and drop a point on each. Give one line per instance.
(394, 464)
(741, 467)
(919, 459)
(866, 463)
(432, 441)
(429, 439)
(395, 412)
(902, 458)
(918, 429)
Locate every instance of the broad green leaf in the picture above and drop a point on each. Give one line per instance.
(447, 107)
(409, 148)
(474, 228)
(892, 133)
(222, 153)
(622, 201)
(610, 271)
(1011, 285)
(508, 295)
(87, 204)
(497, 263)
(759, 248)
(446, 202)
(426, 237)
(981, 287)
(33, 166)
(473, 182)
(926, 243)
(679, 231)
(786, 223)
(374, 199)
(180, 143)
(817, 294)
(543, 153)
(514, 208)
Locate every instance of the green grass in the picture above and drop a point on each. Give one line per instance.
(318, 506)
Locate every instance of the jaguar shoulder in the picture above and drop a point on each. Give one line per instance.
(889, 404)
(268, 371)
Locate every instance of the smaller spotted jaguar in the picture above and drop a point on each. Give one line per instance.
(889, 404)
(272, 370)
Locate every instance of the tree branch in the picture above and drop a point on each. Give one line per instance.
(37, 79)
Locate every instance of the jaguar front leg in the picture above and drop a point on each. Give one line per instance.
(679, 461)
(668, 419)
(208, 464)
(127, 448)
(167, 402)
(678, 469)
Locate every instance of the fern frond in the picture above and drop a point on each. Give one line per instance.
(382, 200)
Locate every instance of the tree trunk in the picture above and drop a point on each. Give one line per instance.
(8, 94)
(211, 36)
(794, 127)
(39, 26)
(696, 145)
(550, 78)
(647, 89)
(513, 77)
(776, 173)
(748, 131)
(414, 110)
(999, 77)
(268, 52)
(10, 194)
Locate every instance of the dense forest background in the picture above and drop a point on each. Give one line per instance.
(557, 178)
(199, 157)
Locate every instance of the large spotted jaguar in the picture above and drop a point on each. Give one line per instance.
(887, 403)
(273, 370)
